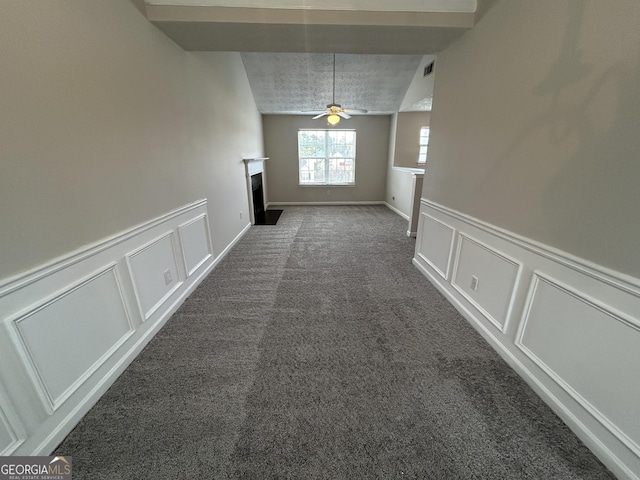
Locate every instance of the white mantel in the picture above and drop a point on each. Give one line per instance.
(254, 165)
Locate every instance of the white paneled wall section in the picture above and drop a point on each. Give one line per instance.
(65, 338)
(69, 328)
(154, 271)
(11, 432)
(569, 327)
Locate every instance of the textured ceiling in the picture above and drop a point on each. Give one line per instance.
(300, 82)
(288, 46)
(314, 26)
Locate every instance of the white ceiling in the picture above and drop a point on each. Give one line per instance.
(295, 82)
(288, 45)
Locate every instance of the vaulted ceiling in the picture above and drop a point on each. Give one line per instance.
(295, 82)
(288, 45)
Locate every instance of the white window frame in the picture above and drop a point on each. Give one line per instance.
(423, 148)
(326, 158)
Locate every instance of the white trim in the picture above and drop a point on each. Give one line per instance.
(70, 421)
(494, 321)
(129, 256)
(614, 447)
(64, 427)
(21, 280)
(607, 310)
(452, 242)
(394, 209)
(209, 244)
(12, 422)
(230, 246)
(326, 158)
(611, 277)
(51, 415)
(254, 166)
(602, 451)
(366, 202)
(50, 403)
(417, 172)
(15, 440)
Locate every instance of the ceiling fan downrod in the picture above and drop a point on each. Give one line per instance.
(334, 79)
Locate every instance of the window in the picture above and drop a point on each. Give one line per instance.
(424, 144)
(326, 157)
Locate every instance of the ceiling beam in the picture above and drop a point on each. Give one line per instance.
(207, 28)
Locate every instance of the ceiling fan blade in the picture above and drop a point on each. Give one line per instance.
(320, 116)
(356, 110)
(344, 115)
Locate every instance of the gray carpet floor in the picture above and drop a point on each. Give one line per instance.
(315, 349)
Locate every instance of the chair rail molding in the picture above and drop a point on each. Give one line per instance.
(569, 327)
(71, 326)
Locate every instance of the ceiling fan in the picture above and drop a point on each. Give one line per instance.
(334, 111)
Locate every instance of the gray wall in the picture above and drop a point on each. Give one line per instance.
(421, 87)
(106, 124)
(399, 180)
(281, 146)
(535, 126)
(407, 144)
(399, 187)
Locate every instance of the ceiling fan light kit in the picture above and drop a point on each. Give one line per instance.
(333, 119)
(334, 111)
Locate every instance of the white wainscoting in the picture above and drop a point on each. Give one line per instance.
(569, 327)
(196, 243)
(435, 243)
(605, 346)
(11, 429)
(8, 438)
(69, 328)
(495, 277)
(154, 270)
(64, 339)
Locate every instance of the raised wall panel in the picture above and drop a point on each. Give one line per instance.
(496, 279)
(570, 327)
(8, 438)
(11, 429)
(435, 243)
(592, 351)
(195, 242)
(149, 266)
(64, 339)
(68, 328)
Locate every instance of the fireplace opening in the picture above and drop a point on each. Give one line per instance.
(261, 215)
(258, 198)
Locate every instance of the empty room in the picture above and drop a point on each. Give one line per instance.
(320, 239)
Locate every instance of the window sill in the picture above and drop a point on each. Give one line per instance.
(326, 184)
(409, 169)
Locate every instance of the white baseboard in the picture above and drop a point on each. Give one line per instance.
(394, 209)
(284, 204)
(531, 303)
(41, 404)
